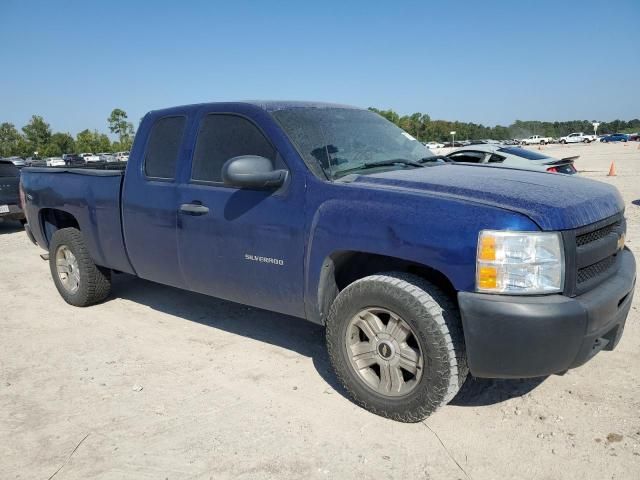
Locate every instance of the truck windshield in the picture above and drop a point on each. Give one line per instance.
(338, 141)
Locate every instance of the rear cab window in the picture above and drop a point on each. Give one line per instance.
(163, 147)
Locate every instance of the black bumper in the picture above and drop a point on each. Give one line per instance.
(14, 213)
(518, 337)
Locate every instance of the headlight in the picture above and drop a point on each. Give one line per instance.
(519, 262)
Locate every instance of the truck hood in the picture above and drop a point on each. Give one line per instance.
(553, 201)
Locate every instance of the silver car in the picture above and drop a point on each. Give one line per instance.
(510, 156)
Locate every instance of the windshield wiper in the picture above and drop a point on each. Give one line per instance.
(383, 163)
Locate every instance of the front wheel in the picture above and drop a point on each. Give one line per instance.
(395, 342)
(78, 280)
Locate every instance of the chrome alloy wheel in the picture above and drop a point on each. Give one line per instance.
(67, 268)
(384, 352)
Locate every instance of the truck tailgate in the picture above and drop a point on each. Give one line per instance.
(92, 197)
(8, 184)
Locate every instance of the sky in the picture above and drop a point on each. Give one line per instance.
(489, 62)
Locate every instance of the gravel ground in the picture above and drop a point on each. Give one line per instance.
(162, 383)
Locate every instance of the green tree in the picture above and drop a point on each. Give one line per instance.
(88, 141)
(58, 144)
(37, 133)
(119, 125)
(9, 140)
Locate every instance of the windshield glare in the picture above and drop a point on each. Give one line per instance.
(334, 140)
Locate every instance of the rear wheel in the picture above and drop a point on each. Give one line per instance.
(395, 343)
(78, 280)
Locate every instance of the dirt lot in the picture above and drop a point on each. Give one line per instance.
(162, 383)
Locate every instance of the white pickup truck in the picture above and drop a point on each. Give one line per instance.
(90, 157)
(536, 140)
(578, 137)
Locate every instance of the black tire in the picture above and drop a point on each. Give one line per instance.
(95, 282)
(564, 142)
(436, 325)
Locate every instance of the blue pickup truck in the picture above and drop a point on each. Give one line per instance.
(422, 271)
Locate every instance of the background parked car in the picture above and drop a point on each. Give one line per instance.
(432, 145)
(10, 207)
(106, 157)
(615, 137)
(35, 162)
(634, 137)
(513, 157)
(536, 140)
(72, 160)
(55, 162)
(578, 137)
(122, 156)
(17, 161)
(90, 157)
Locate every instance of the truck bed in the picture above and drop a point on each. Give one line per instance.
(91, 196)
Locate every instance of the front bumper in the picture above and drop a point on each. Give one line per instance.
(511, 336)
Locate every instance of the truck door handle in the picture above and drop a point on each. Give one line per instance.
(194, 209)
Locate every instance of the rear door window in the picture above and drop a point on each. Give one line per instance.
(163, 147)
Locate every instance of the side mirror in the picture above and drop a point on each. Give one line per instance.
(252, 171)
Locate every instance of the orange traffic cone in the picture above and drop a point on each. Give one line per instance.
(612, 170)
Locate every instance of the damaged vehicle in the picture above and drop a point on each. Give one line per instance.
(422, 271)
(511, 156)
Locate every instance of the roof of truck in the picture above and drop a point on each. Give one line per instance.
(268, 105)
(273, 105)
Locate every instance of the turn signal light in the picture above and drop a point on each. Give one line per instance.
(487, 250)
(487, 277)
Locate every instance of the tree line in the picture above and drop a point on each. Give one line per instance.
(37, 136)
(424, 129)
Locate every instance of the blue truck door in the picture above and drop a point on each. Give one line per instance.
(150, 200)
(239, 244)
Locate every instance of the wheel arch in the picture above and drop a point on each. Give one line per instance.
(341, 268)
(54, 219)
